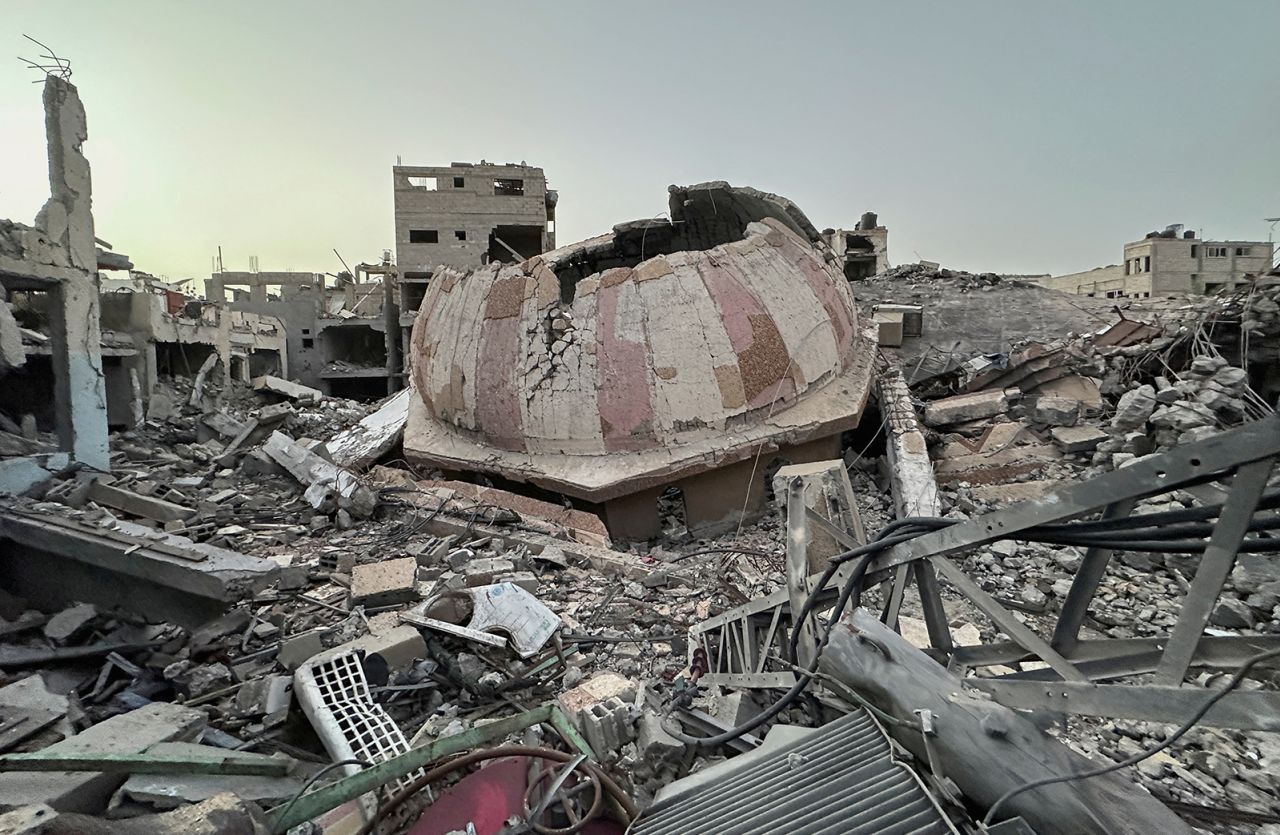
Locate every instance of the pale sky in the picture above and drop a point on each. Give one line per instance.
(1014, 136)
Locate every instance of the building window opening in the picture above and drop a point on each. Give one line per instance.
(459, 182)
(427, 183)
(508, 188)
(424, 236)
(460, 235)
(308, 343)
(1242, 250)
(1146, 264)
(1194, 250)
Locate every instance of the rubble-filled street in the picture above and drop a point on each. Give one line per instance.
(713, 523)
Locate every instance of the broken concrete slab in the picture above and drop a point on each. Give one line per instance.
(367, 441)
(988, 468)
(966, 407)
(1072, 439)
(87, 791)
(1050, 410)
(27, 707)
(70, 623)
(117, 563)
(385, 582)
(134, 504)
(286, 388)
(169, 791)
(326, 482)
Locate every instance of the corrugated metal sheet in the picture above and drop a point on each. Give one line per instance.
(840, 779)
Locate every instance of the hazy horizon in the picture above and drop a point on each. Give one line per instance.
(997, 136)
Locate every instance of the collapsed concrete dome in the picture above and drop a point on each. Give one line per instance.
(664, 351)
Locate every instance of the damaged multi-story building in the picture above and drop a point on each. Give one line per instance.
(342, 337)
(1017, 574)
(689, 354)
(862, 251)
(1172, 261)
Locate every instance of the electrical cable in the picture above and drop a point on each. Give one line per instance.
(903, 530)
(312, 781)
(1186, 726)
(615, 791)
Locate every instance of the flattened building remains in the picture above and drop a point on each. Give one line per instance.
(713, 523)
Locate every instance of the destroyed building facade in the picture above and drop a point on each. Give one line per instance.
(691, 353)
(57, 257)
(864, 250)
(342, 337)
(465, 215)
(1032, 589)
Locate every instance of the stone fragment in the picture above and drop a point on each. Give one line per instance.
(1033, 597)
(1206, 366)
(1134, 408)
(385, 582)
(70, 623)
(595, 690)
(966, 407)
(1073, 439)
(1215, 400)
(1233, 613)
(1183, 416)
(296, 650)
(656, 745)
(486, 570)
(261, 696)
(1056, 411)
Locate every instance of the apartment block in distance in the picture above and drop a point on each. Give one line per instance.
(463, 216)
(1169, 262)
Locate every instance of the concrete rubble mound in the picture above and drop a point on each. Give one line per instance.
(709, 523)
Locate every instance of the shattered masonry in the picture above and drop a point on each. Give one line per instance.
(642, 358)
(578, 571)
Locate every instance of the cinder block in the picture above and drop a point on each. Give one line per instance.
(385, 583)
(607, 726)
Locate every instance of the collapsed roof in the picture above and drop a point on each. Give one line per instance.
(662, 349)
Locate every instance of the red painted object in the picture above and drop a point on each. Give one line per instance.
(487, 799)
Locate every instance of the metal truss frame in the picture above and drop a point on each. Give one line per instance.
(743, 645)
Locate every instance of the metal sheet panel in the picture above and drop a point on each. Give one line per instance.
(840, 779)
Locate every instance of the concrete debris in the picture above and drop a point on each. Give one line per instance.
(200, 550)
(1072, 439)
(88, 792)
(967, 407)
(285, 388)
(376, 433)
(70, 623)
(385, 583)
(329, 487)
